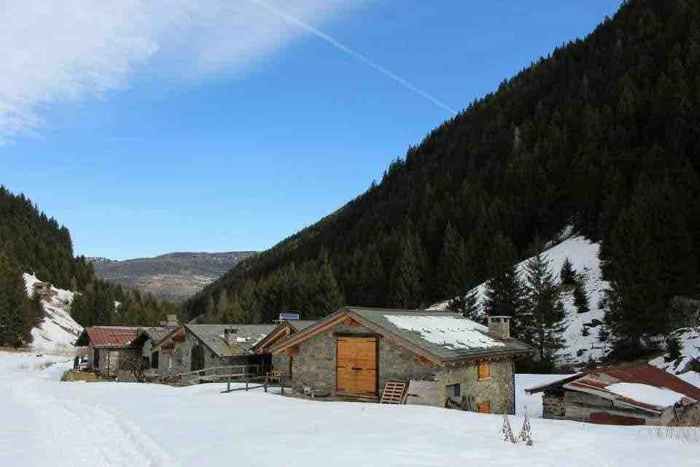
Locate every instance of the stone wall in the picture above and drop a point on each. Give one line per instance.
(179, 359)
(108, 360)
(687, 416)
(498, 390)
(314, 367)
(579, 406)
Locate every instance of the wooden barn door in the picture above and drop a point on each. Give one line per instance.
(356, 366)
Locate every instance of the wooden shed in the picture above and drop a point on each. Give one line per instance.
(626, 395)
(106, 346)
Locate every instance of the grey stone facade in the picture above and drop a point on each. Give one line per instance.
(178, 359)
(314, 367)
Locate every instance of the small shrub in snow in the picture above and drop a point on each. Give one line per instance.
(525, 432)
(506, 430)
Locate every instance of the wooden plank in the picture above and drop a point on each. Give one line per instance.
(393, 393)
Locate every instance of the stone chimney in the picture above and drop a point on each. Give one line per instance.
(499, 326)
(170, 321)
(228, 335)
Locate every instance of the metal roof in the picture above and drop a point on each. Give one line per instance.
(241, 337)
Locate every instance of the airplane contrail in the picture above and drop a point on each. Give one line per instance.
(356, 55)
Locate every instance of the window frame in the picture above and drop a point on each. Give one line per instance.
(483, 405)
(484, 364)
(451, 389)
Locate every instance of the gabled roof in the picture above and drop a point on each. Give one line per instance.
(640, 386)
(438, 336)
(281, 331)
(242, 337)
(107, 336)
(154, 334)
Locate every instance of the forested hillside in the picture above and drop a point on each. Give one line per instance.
(603, 134)
(31, 242)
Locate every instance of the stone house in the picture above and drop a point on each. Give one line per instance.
(280, 362)
(629, 395)
(107, 346)
(443, 356)
(193, 347)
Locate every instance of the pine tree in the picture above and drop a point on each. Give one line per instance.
(567, 274)
(649, 259)
(327, 296)
(467, 306)
(405, 282)
(581, 296)
(15, 327)
(451, 273)
(543, 326)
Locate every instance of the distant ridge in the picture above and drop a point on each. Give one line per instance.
(172, 276)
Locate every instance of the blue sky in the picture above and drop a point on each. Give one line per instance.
(233, 135)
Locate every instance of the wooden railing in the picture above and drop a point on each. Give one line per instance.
(269, 379)
(214, 374)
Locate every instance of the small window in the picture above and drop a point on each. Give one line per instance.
(484, 407)
(484, 371)
(154, 360)
(454, 390)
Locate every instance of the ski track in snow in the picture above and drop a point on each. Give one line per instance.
(46, 422)
(83, 434)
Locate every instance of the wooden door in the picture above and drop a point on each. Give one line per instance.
(356, 365)
(197, 361)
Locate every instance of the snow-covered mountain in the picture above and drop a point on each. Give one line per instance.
(583, 254)
(59, 330)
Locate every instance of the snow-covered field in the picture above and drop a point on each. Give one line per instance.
(583, 254)
(49, 423)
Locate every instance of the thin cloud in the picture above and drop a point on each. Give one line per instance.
(352, 53)
(66, 50)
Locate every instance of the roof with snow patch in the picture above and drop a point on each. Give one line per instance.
(439, 336)
(642, 386)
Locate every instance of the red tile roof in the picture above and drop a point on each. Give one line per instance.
(111, 336)
(650, 375)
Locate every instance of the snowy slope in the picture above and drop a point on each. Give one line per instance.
(58, 331)
(689, 339)
(46, 422)
(583, 254)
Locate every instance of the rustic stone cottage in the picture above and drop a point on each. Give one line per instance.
(280, 362)
(106, 346)
(632, 395)
(355, 351)
(193, 347)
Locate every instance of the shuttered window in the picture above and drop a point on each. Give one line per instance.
(484, 370)
(484, 407)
